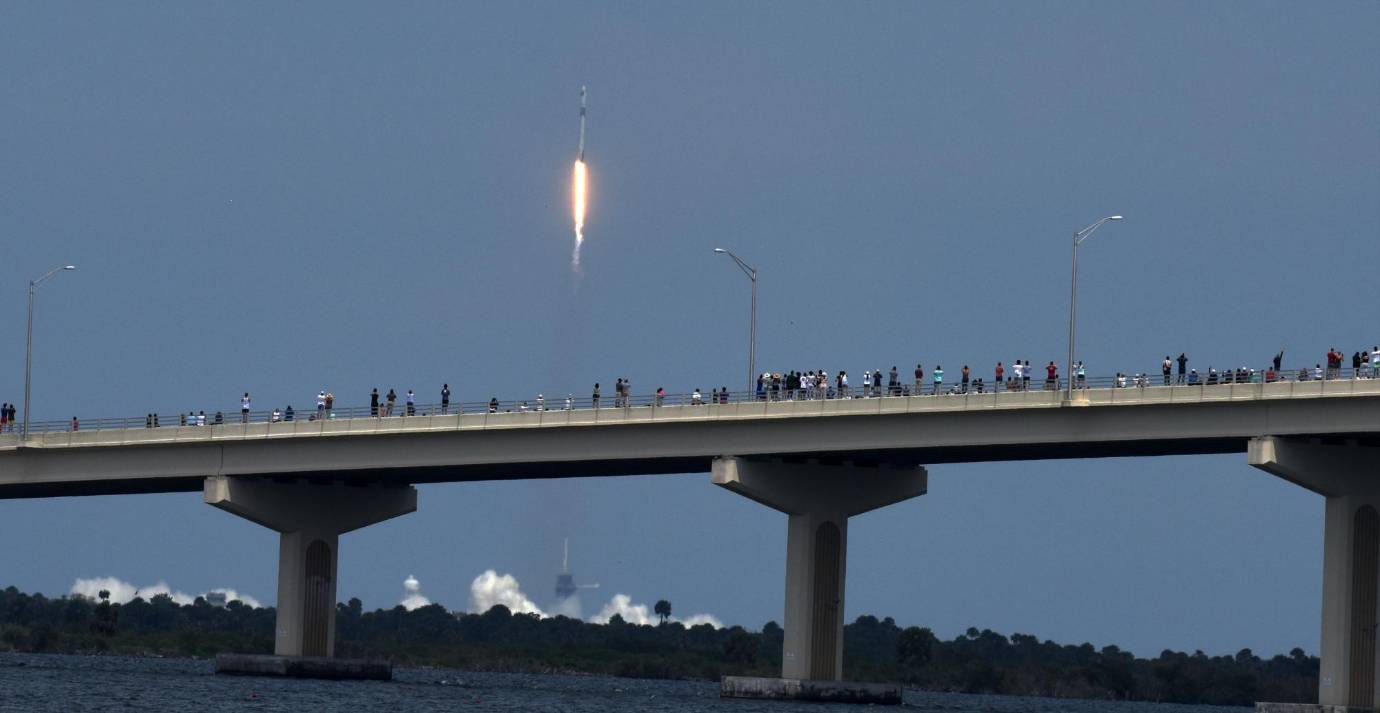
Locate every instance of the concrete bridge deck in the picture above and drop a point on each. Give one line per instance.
(902, 430)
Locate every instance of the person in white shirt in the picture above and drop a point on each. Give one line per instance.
(569, 401)
(696, 399)
(244, 408)
(867, 382)
(541, 402)
(320, 403)
(276, 416)
(1375, 363)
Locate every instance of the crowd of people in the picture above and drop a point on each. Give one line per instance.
(819, 384)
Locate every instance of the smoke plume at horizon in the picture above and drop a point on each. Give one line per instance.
(412, 594)
(122, 592)
(491, 588)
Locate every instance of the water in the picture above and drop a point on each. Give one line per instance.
(103, 683)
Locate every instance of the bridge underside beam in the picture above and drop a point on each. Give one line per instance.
(818, 500)
(1349, 477)
(310, 518)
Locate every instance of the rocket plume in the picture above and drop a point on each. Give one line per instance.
(578, 193)
(578, 196)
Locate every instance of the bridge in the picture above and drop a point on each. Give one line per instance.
(818, 460)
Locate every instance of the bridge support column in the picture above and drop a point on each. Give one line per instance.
(310, 517)
(818, 500)
(1349, 477)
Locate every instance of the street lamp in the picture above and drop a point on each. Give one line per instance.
(1078, 238)
(29, 342)
(751, 272)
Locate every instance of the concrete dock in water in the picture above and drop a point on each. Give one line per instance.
(793, 689)
(305, 667)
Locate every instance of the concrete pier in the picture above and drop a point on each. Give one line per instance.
(1348, 476)
(818, 499)
(787, 689)
(304, 667)
(310, 518)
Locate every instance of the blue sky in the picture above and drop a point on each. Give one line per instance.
(346, 195)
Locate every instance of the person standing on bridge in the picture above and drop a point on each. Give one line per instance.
(389, 402)
(893, 382)
(1356, 362)
(445, 399)
(595, 396)
(938, 379)
(374, 402)
(964, 378)
(321, 404)
(244, 408)
(330, 405)
(1374, 373)
(1164, 369)
(1279, 359)
(1183, 365)
(411, 403)
(919, 379)
(5, 416)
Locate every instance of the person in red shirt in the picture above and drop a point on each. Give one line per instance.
(1000, 370)
(1051, 376)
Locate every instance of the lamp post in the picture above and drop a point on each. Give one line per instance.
(29, 342)
(1078, 238)
(751, 272)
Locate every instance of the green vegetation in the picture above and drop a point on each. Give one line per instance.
(875, 650)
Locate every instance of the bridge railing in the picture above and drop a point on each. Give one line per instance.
(1119, 389)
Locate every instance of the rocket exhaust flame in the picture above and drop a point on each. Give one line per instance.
(578, 190)
(578, 193)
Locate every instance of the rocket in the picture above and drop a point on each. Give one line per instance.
(582, 124)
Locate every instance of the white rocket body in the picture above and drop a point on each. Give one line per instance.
(581, 153)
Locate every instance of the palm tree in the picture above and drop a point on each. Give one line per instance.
(662, 609)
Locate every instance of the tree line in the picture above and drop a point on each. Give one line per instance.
(977, 661)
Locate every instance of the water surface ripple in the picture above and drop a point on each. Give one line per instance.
(34, 682)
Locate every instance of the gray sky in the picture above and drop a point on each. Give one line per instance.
(283, 198)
